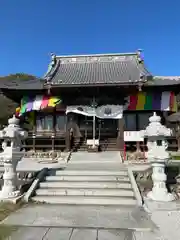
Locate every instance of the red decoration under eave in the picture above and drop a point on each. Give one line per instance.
(133, 102)
(45, 102)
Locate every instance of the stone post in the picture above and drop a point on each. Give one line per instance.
(158, 156)
(13, 136)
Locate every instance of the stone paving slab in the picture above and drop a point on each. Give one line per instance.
(30, 233)
(58, 233)
(88, 234)
(115, 235)
(81, 216)
(168, 223)
(148, 236)
(36, 233)
(166, 215)
(162, 206)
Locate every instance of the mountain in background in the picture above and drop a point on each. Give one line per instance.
(7, 106)
(20, 76)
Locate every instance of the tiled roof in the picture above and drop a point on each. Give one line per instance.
(164, 81)
(99, 69)
(33, 84)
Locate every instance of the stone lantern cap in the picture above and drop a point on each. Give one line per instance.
(155, 128)
(13, 121)
(13, 130)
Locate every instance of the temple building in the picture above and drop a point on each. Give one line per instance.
(91, 101)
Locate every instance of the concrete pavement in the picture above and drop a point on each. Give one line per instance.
(78, 222)
(33, 233)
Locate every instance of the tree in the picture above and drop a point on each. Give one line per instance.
(20, 76)
(7, 106)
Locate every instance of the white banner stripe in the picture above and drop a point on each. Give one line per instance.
(165, 101)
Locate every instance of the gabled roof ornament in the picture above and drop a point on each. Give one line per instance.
(53, 59)
(51, 65)
(140, 55)
(141, 82)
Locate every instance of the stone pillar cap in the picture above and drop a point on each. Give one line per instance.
(13, 120)
(155, 118)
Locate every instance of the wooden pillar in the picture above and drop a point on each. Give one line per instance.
(67, 136)
(138, 147)
(165, 115)
(178, 136)
(34, 132)
(178, 144)
(52, 137)
(54, 128)
(120, 135)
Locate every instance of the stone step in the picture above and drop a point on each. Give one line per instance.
(81, 200)
(90, 173)
(88, 178)
(75, 184)
(95, 162)
(84, 192)
(108, 149)
(111, 167)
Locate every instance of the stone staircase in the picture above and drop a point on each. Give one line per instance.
(108, 144)
(87, 182)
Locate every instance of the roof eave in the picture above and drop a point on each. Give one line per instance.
(93, 85)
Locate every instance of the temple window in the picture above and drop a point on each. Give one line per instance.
(44, 123)
(48, 123)
(39, 123)
(143, 119)
(60, 122)
(130, 122)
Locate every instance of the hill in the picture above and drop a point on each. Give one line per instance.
(7, 106)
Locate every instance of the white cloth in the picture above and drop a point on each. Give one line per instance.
(80, 109)
(115, 111)
(37, 102)
(103, 112)
(165, 100)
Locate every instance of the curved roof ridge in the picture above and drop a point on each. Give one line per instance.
(97, 55)
(142, 67)
(52, 71)
(167, 77)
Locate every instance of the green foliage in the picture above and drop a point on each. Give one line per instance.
(7, 106)
(19, 76)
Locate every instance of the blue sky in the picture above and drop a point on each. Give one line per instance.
(31, 29)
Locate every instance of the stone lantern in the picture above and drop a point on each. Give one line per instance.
(158, 156)
(13, 136)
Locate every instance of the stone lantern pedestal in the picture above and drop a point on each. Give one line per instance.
(158, 156)
(159, 191)
(11, 155)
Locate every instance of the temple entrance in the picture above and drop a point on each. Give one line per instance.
(105, 130)
(96, 127)
(108, 128)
